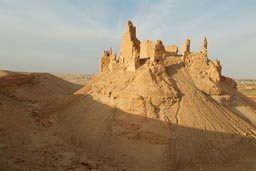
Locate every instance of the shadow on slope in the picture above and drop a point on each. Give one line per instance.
(33, 86)
(25, 99)
(119, 140)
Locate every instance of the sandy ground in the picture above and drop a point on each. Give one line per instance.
(80, 79)
(28, 138)
(45, 125)
(247, 87)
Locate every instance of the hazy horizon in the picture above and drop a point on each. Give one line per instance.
(69, 36)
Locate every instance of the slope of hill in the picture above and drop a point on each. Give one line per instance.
(80, 79)
(192, 132)
(25, 100)
(172, 112)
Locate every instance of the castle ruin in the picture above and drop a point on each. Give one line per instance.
(134, 53)
(107, 61)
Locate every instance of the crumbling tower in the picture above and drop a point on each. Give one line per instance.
(154, 52)
(107, 61)
(130, 49)
(159, 51)
(204, 47)
(186, 47)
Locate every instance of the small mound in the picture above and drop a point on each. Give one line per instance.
(34, 86)
(4, 73)
(16, 79)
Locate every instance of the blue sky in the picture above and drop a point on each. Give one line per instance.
(70, 35)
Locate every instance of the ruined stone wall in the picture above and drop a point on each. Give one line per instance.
(113, 62)
(185, 47)
(206, 74)
(171, 50)
(146, 49)
(104, 62)
(108, 61)
(130, 48)
(159, 52)
(204, 47)
(155, 52)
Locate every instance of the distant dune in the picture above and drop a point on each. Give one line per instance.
(247, 87)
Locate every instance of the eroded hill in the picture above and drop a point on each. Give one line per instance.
(188, 115)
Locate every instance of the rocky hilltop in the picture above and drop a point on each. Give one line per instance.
(140, 80)
(165, 110)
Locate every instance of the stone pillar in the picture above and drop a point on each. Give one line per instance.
(104, 61)
(204, 47)
(185, 47)
(159, 52)
(130, 48)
